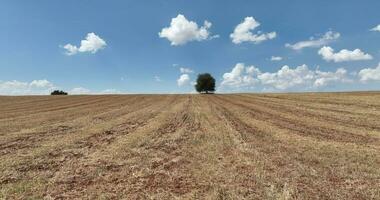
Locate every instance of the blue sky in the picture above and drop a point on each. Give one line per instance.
(129, 52)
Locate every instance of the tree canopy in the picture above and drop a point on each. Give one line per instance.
(58, 92)
(205, 83)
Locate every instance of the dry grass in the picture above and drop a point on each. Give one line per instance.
(241, 146)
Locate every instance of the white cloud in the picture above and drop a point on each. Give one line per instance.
(328, 54)
(325, 78)
(243, 32)
(184, 70)
(41, 83)
(26, 88)
(182, 31)
(157, 78)
(91, 44)
(328, 37)
(70, 49)
(370, 74)
(241, 76)
(376, 28)
(301, 77)
(110, 91)
(80, 90)
(183, 80)
(276, 58)
(287, 78)
(13, 84)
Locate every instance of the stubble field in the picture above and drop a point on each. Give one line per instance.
(238, 146)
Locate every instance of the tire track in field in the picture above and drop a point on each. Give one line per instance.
(277, 154)
(324, 101)
(14, 102)
(344, 121)
(43, 100)
(245, 131)
(108, 136)
(41, 162)
(228, 162)
(44, 106)
(66, 121)
(168, 174)
(51, 161)
(334, 109)
(61, 116)
(101, 102)
(49, 108)
(35, 137)
(188, 147)
(321, 133)
(171, 172)
(264, 154)
(320, 121)
(248, 156)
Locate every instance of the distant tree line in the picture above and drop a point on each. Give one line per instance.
(58, 92)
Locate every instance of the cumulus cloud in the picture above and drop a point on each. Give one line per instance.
(286, 77)
(243, 32)
(83, 90)
(183, 80)
(241, 76)
(91, 44)
(300, 77)
(376, 28)
(15, 87)
(328, 37)
(276, 58)
(41, 83)
(324, 78)
(182, 31)
(80, 90)
(184, 70)
(328, 54)
(110, 91)
(370, 74)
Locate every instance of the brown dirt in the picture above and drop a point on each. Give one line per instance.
(240, 146)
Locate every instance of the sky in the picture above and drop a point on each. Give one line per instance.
(160, 46)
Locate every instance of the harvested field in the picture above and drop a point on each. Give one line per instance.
(238, 146)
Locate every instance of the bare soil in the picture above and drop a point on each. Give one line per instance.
(237, 146)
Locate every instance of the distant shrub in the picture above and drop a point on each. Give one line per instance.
(58, 92)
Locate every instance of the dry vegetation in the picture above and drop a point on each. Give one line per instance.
(241, 146)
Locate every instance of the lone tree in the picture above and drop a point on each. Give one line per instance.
(58, 92)
(205, 83)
